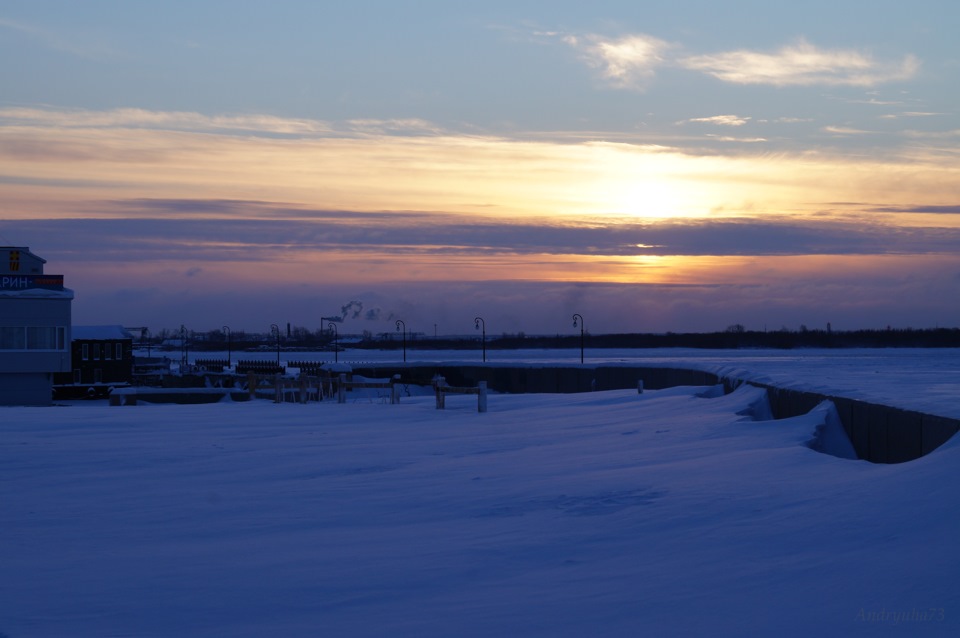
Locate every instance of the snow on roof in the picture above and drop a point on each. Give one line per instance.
(100, 333)
(37, 293)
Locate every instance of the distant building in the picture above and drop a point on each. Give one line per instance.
(101, 358)
(35, 317)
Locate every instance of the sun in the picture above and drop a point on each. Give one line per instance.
(649, 199)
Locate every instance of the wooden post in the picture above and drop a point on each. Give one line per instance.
(277, 388)
(303, 388)
(640, 386)
(252, 385)
(342, 389)
(482, 396)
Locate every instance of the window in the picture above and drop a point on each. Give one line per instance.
(107, 352)
(119, 351)
(86, 352)
(96, 352)
(32, 338)
(40, 338)
(13, 338)
(98, 376)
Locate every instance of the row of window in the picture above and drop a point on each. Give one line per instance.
(104, 350)
(32, 338)
(78, 376)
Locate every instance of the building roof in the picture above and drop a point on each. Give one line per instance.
(37, 293)
(100, 333)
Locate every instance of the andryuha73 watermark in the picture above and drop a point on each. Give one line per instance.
(929, 614)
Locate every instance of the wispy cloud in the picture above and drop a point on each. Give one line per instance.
(845, 130)
(731, 138)
(893, 116)
(73, 44)
(721, 120)
(166, 120)
(630, 61)
(627, 62)
(414, 126)
(802, 64)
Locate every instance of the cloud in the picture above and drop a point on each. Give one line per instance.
(422, 240)
(414, 126)
(721, 120)
(741, 140)
(627, 62)
(92, 48)
(802, 64)
(845, 130)
(893, 116)
(938, 210)
(161, 120)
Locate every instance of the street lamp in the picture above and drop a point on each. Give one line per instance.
(336, 333)
(580, 318)
(226, 329)
(183, 347)
(275, 329)
(401, 323)
(478, 323)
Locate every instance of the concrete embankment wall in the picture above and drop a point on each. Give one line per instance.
(879, 433)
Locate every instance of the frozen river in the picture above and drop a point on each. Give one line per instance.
(923, 379)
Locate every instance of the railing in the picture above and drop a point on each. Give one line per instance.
(393, 385)
(259, 367)
(441, 389)
(210, 365)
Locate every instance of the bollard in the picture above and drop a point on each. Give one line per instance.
(277, 389)
(342, 389)
(395, 390)
(252, 385)
(640, 386)
(482, 396)
(303, 388)
(438, 385)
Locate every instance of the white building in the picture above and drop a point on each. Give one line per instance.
(34, 328)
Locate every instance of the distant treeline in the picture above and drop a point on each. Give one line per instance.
(734, 337)
(728, 339)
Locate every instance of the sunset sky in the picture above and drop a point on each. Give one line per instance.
(653, 166)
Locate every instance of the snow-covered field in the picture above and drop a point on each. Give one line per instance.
(598, 514)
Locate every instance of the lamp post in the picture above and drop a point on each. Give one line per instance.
(401, 323)
(479, 323)
(183, 347)
(226, 329)
(336, 334)
(580, 318)
(275, 329)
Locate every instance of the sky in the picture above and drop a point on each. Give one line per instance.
(657, 166)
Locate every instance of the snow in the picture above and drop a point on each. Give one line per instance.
(926, 380)
(100, 333)
(672, 512)
(37, 293)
